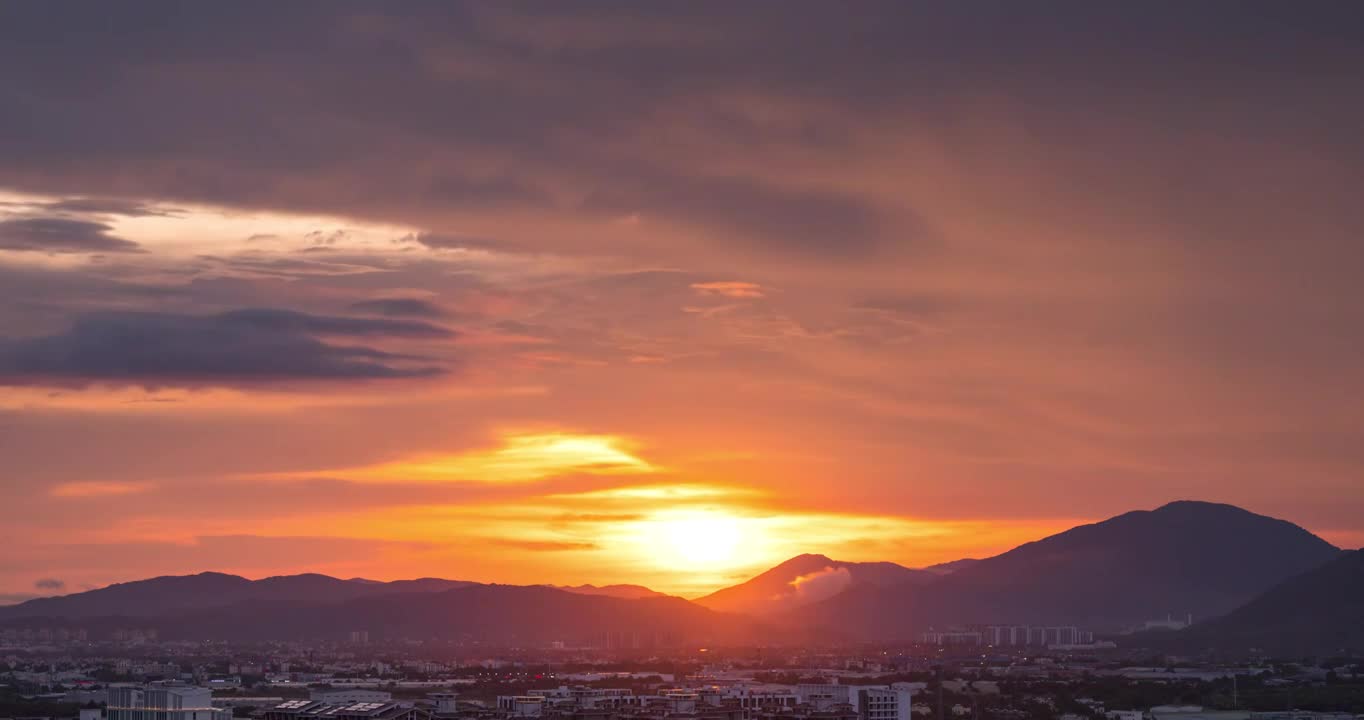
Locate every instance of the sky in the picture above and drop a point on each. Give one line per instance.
(665, 293)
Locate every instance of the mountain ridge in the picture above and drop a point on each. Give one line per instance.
(1183, 557)
(806, 579)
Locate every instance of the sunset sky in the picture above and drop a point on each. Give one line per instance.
(665, 293)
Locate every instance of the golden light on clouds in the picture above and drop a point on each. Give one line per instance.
(671, 492)
(521, 458)
(729, 288)
(686, 538)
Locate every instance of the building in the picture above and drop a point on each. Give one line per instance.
(446, 703)
(521, 705)
(823, 696)
(877, 703)
(313, 710)
(747, 698)
(954, 637)
(1010, 636)
(163, 702)
(348, 696)
(586, 698)
(1169, 623)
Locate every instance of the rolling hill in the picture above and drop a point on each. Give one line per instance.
(625, 592)
(180, 593)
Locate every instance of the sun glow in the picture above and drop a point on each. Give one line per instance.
(697, 539)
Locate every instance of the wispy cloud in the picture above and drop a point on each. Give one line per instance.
(729, 288)
(99, 488)
(521, 457)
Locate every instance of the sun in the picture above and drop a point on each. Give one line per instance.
(695, 539)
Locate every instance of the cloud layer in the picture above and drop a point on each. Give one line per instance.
(240, 346)
(60, 235)
(886, 284)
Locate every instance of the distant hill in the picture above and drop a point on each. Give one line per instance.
(179, 593)
(807, 579)
(501, 614)
(1319, 612)
(1185, 557)
(626, 592)
(492, 614)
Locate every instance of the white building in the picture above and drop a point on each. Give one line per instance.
(825, 695)
(521, 705)
(586, 698)
(163, 702)
(447, 703)
(749, 698)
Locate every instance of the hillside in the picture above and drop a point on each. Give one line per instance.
(808, 579)
(625, 592)
(1318, 612)
(1185, 557)
(491, 614)
(180, 593)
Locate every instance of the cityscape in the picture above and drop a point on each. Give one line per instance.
(684, 360)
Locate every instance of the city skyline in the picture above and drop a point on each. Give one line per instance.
(665, 294)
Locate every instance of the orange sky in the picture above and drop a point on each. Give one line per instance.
(664, 295)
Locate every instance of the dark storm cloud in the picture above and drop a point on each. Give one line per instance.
(242, 346)
(61, 235)
(399, 307)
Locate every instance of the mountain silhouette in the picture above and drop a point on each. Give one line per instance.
(807, 579)
(625, 592)
(1184, 557)
(493, 614)
(179, 593)
(1201, 558)
(1319, 612)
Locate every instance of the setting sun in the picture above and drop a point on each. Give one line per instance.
(697, 539)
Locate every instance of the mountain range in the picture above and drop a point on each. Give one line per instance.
(181, 593)
(1185, 557)
(624, 592)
